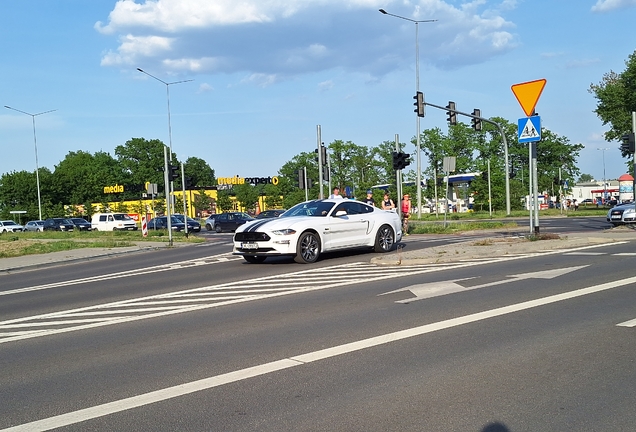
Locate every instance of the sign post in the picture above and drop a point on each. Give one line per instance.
(529, 131)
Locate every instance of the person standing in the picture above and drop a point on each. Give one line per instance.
(406, 213)
(336, 193)
(369, 199)
(387, 202)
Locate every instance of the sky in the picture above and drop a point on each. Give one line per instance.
(266, 73)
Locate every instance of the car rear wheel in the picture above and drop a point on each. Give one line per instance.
(308, 248)
(254, 259)
(384, 239)
(217, 228)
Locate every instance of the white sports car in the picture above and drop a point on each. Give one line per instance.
(313, 227)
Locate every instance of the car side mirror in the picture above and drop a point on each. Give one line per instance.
(340, 213)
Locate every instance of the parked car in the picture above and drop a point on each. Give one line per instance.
(34, 225)
(313, 227)
(58, 224)
(81, 224)
(209, 222)
(230, 221)
(193, 225)
(10, 226)
(161, 222)
(113, 222)
(270, 213)
(588, 202)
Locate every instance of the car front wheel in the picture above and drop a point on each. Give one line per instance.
(308, 248)
(384, 239)
(208, 227)
(217, 228)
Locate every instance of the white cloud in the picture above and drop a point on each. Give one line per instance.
(610, 5)
(205, 88)
(276, 39)
(325, 85)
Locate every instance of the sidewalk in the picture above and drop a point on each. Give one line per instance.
(8, 265)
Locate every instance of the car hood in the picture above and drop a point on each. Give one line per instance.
(261, 225)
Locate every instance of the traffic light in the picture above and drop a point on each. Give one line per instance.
(301, 178)
(484, 176)
(323, 153)
(325, 173)
(452, 117)
(396, 161)
(189, 183)
(173, 172)
(629, 143)
(400, 160)
(404, 160)
(419, 103)
(476, 121)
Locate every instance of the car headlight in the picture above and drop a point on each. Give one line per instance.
(286, 231)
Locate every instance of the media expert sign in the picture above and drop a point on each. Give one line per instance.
(247, 180)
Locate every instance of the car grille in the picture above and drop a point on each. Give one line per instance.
(251, 236)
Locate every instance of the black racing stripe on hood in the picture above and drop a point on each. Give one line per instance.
(256, 225)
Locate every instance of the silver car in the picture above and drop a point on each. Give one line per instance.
(34, 225)
(10, 226)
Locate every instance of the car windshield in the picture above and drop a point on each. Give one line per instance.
(9, 223)
(243, 216)
(78, 220)
(122, 217)
(310, 208)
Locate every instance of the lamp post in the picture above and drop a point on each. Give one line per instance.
(417, 118)
(604, 181)
(168, 84)
(169, 195)
(35, 143)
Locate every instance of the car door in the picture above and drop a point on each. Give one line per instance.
(348, 229)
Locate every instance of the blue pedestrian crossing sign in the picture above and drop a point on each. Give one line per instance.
(529, 129)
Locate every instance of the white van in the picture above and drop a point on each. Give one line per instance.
(113, 222)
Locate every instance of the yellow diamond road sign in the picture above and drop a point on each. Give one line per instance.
(528, 94)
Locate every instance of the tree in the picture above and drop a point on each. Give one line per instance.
(199, 171)
(585, 178)
(142, 161)
(616, 99)
(81, 177)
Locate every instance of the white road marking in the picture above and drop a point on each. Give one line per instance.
(117, 406)
(630, 323)
(217, 295)
(137, 272)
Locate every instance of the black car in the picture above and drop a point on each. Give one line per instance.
(230, 221)
(193, 225)
(81, 224)
(58, 224)
(273, 213)
(161, 222)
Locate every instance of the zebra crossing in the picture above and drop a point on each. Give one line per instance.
(203, 298)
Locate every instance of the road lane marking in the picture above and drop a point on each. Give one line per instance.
(125, 404)
(128, 273)
(217, 295)
(630, 323)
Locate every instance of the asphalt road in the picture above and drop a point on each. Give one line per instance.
(194, 339)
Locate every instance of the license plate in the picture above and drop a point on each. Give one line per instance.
(249, 246)
(616, 216)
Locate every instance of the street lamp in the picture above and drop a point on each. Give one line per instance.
(417, 118)
(35, 142)
(604, 182)
(168, 84)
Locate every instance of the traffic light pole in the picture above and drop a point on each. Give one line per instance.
(398, 180)
(320, 162)
(185, 214)
(503, 137)
(634, 159)
(167, 192)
